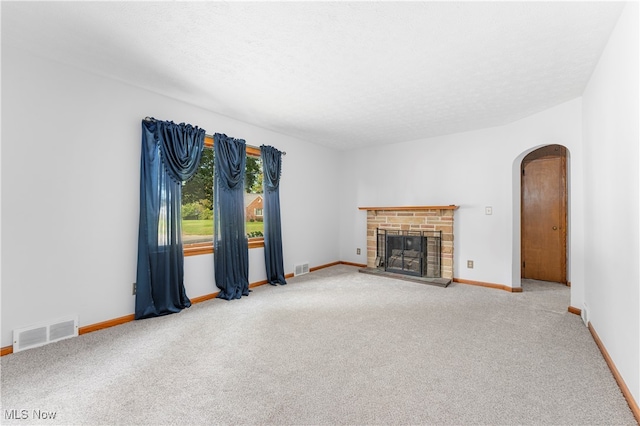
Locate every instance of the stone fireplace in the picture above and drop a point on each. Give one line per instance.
(412, 220)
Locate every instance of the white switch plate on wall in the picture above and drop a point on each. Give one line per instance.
(488, 210)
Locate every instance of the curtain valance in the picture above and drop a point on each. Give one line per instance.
(170, 154)
(271, 167)
(231, 248)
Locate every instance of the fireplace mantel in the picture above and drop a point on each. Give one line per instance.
(409, 208)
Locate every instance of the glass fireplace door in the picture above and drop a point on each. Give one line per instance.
(405, 254)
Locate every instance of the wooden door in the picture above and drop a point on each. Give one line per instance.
(544, 215)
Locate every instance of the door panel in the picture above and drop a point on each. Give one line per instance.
(544, 219)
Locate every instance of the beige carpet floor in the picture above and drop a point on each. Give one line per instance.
(332, 347)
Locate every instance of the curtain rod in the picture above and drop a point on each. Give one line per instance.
(211, 136)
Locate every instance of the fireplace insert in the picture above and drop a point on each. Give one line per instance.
(410, 252)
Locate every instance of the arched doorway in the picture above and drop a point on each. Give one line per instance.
(544, 214)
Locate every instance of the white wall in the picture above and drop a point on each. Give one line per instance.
(611, 138)
(473, 170)
(70, 193)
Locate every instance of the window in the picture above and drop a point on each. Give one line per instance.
(197, 203)
(253, 196)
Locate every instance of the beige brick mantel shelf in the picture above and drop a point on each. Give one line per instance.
(413, 218)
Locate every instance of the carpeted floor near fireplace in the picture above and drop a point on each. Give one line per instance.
(332, 347)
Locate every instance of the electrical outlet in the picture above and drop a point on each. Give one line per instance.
(470, 264)
(357, 251)
(133, 291)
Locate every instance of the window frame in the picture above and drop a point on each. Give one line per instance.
(196, 249)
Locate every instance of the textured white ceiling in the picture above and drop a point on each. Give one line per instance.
(341, 74)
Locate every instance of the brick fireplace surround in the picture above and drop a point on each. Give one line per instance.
(413, 218)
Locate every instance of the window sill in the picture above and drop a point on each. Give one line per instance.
(207, 248)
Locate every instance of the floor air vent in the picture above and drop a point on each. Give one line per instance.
(42, 334)
(301, 269)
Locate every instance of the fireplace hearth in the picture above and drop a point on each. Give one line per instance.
(434, 267)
